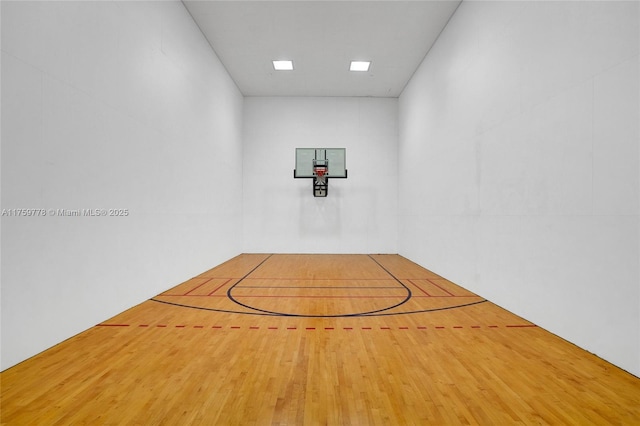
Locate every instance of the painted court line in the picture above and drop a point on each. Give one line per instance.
(318, 279)
(419, 288)
(197, 287)
(320, 286)
(301, 296)
(440, 287)
(192, 295)
(448, 297)
(218, 288)
(237, 327)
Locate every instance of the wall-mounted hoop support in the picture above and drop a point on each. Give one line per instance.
(320, 164)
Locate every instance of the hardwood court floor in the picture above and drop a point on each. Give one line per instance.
(315, 340)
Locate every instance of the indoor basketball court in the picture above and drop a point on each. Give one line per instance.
(320, 212)
(317, 339)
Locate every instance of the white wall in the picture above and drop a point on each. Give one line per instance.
(522, 127)
(110, 105)
(359, 215)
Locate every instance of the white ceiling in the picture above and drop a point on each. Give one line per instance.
(321, 37)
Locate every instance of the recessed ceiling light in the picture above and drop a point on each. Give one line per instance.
(283, 65)
(359, 66)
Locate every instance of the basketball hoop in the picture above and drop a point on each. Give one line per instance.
(314, 163)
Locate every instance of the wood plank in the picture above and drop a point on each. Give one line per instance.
(218, 362)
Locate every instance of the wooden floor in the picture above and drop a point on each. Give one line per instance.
(317, 340)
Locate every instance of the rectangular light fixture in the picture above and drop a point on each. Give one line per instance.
(359, 66)
(283, 65)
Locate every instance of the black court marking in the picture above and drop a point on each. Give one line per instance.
(314, 286)
(263, 312)
(430, 310)
(288, 314)
(202, 308)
